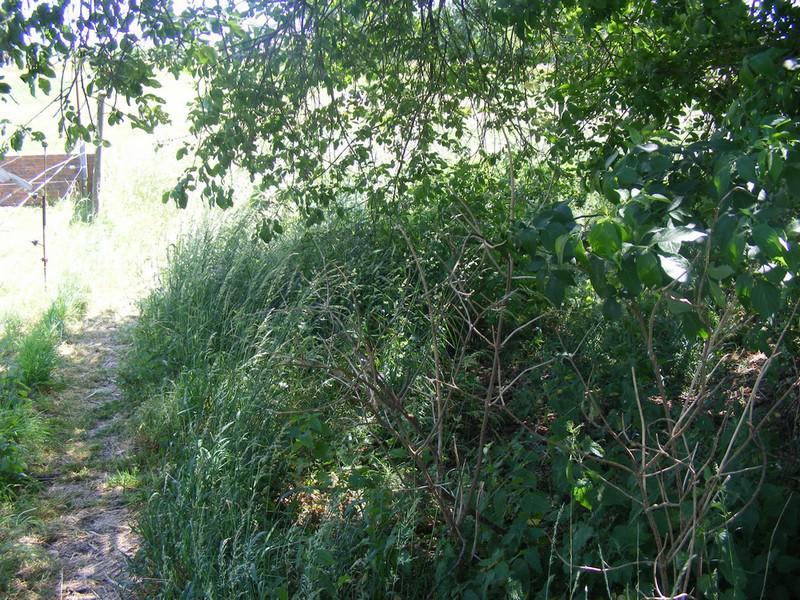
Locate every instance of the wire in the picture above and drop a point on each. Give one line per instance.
(71, 183)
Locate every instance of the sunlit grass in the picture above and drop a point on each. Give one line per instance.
(127, 479)
(117, 257)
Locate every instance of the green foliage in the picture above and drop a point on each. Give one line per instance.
(105, 47)
(36, 353)
(548, 349)
(262, 365)
(27, 361)
(260, 492)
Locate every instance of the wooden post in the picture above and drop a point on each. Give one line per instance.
(98, 155)
(82, 174)
(44, 225)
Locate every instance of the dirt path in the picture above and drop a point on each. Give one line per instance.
(87, 534)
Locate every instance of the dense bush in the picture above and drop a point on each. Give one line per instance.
(553, 354)
(378, 408)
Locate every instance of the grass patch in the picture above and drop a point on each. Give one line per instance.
(29, 359)
(25, 567)
(246, 449)
(111, 408)
(127, 479)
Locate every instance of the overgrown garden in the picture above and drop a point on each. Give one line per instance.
(512, 311)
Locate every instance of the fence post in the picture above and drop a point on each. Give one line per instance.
(98, 155)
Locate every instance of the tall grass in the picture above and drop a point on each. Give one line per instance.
(257, 452)
(28, 359)
(36, 355)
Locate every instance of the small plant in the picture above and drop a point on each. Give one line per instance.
(82, 210)
(37, 357)
(127, 479)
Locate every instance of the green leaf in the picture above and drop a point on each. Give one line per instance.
(767, 240)
(735, 249)
(766, 298)
(647, 269)
(716, 293)
(670, 239)
(605, 238)
(765, 63)
(692, 326)
(528, 238)
(561, 243)
(550, 234)
(724, 230)
(679, 306)
(534, 504)
(580, 252)
(555, 290)
(16, 140)
(580, 492)
(628, 276)
(608, 187)
(792, 177)
(675, 266)
(590, 446)
(627, 176)
(720, 272)
(265, 232)
(746, 168)
(775, 275)
(744, 287)
(793, 258)
(636, 136)
(722, 176)
(612, 309)
(597, 275)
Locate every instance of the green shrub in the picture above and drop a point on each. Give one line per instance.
(37, 357)
(36, 352)
(325, 419)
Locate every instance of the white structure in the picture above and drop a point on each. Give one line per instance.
(6, 177)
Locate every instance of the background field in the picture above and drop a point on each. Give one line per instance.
(116, 257)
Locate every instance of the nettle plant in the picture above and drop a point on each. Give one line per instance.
(700, 236)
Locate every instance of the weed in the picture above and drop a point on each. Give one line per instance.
(127, 479)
